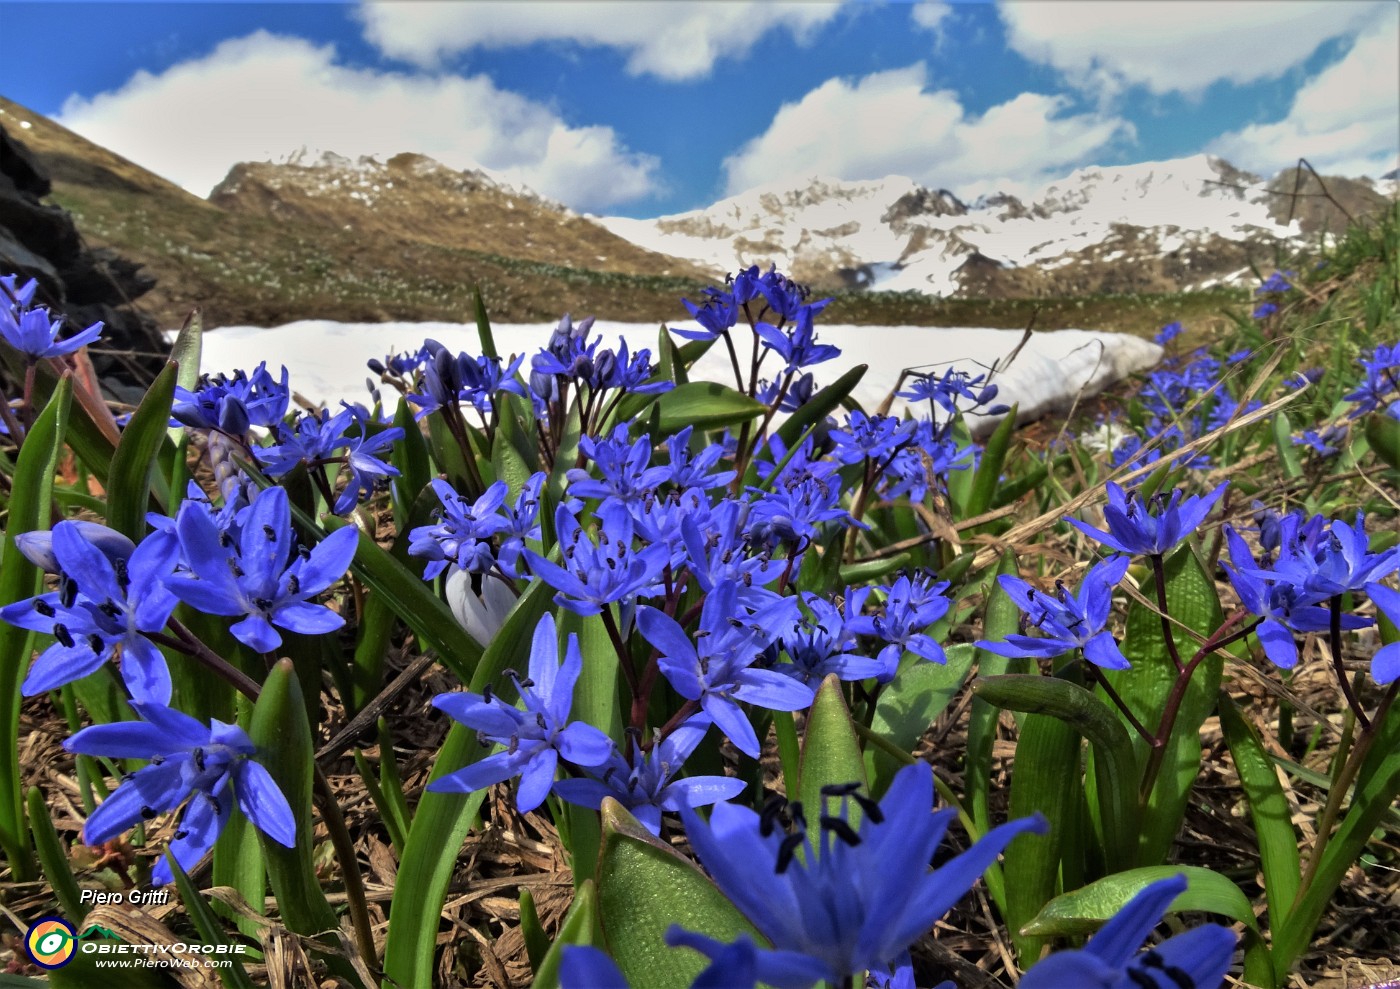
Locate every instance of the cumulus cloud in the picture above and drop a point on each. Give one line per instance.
(264, 96)
(679, 39)
(1344, 120)
(1176, 45)
(930, 14)
(889, 125)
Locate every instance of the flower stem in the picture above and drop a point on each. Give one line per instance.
(1334, 641)
(624, 658)
(1159, 575)
(1219, 639)
(1337, 792)
(1123, 706)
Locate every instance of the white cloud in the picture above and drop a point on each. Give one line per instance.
(930, 14)
(886, 124)
(679, 39)
(262, 97)
(1176, 45)
(1345, 120)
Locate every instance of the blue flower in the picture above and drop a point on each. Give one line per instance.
(792, 511)
(912, 605)
(1265, 310)
(1326, 563)
(1168, 333)
(231, 405)
(596, 575)
(873, 437)
(521, 519)
(1149, 527)
(1277, 282)
(258, 576)
(946, 391)
(1380, 381)
(1198, 958)
(315, 439)
(1283, 602)
(185, 758)
(717, 668)
(646, 784)
(1385, 664)
(103, 609)
(449, 379)
(798, 346)
(461, 536)
(34, 333)
(536, 738)
(625, 466)
(825, 643)
(861, 897)
(687, 471)
(1067, 621)
(717, 552)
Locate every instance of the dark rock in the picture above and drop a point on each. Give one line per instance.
(40, 241)
(21, 168)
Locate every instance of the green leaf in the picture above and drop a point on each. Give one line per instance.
(1268, 807)
(704, 405)
(441, 820)
(988, 474)
(532, 931)
(815, 409)
(1384, 436)
(31, 501)
(1084, 910)
(1283, 442)
(135, 475)
(1045, 778)
(830, 755)
(644, 887)
(1114, 769)
(1377, 786)
(865, 573)
(1002, 619)
(233, 975)
(1191, 599)
(54, 860)
(282, 735)
(483, 325)
(410, 456)
(577, 927)
(187, 352)
(912, 701)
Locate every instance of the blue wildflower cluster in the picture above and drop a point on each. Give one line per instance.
(732, 614)
(1307, 565)
(1183, 399)
(1272, 290)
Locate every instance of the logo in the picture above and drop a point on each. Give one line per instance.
(51, 942)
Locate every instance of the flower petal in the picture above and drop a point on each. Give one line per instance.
(261, 800)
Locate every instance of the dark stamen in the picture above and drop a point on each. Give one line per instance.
(44, 608)
(843, 830)
(61, 633)
(786, 850)
(871, 808)
(771, 813)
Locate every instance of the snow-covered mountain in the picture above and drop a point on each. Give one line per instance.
(1157, 226)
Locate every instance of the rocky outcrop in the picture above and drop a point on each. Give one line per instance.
(39, 240)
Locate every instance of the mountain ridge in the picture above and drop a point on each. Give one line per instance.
(1173, 225)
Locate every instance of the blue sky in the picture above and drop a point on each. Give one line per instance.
(642, 108)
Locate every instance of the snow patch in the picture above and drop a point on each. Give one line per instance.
(327, 359)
